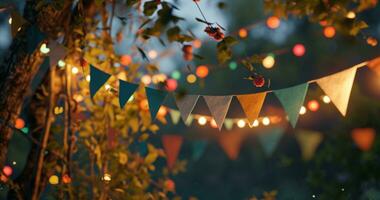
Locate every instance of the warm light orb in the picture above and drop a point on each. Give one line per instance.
(269, 61)
(74, 70)
(19, 123)
(273, 22)
(107, 177)
(171, 85)
(299, 50)
(202, 71)
(88, 78)
(146, 79)
(329, 32)
(61, 63)
(326, 99)
(313, 105)
(126, 60)
(53, 180)
(44, 49)
(162, 111)
(191, 78)
(351, 15)
(10, 20)
(107, 86)
(197, 43)
(152, 54)
(243, 33)
(303, 110)
(255, 123)
(7, 170)
(158, 78)
(266, 121)
(241, 123)
(144, 105)
(213, 123)
(202, 121)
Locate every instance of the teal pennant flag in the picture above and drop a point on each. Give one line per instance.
(34, 38)
(199, 147)
(98, 78)
(292, 100)
(155, 100)
(269, 139)
(126, 90)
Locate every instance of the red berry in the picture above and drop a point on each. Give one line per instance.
(187, 48)
(169, 185)
(259, 81)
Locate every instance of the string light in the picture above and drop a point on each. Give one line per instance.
(107, 86)
(152, 54)
(61, 63)
(146, 79)
(329, 32)
(88, 78)
(299, 50)
(273, 22)
(126, 60)
(176, 74)
(268, 61)
(303, 110)
(255, 123)
(266, 121)
(213, 123)
(241, 123)
(351, 15)
(7, 170)
(202, 71)
(44, 49)
(14, 163)
(326, 99)
(243, 33)
(191, 78)
(19, 123)
(202, 121)
(54, 180)
(107, 177)
(232, 65)
(313, 105)
(74, 70)
(10, 20)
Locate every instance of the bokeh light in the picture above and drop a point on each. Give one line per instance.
(243, 33)
(202, 121)
(329, 32)
(191, 78)
(146, 79)
(303, 110)
(266, 121)
(232, 65)
(19, 123)
(313, 105)
(54, 180)
(299, 50)
(326, 99)
(241, 123)
(7, 170)
(126, 60)
(273, 22)
(202, 71)
(152, 54)
(176, 74)
(171, 85)
(269, 61)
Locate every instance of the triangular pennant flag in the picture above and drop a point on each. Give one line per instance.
(231, 142)
(98, 78)
(34, 38)
(175, 115)
(363, 138)
(189, 120)
(126, 90)
(228, 123)
(186, 105)
(155, 100)
(338, 87)
(57, 52)
(292, 99)
(374, 65)
(199, 147)
(218, 106)
(270, 138)
(308, 141)
(17, 22)
(172, 145)
(252, 104)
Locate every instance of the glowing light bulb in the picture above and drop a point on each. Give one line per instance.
(88, 78)
(202, 121)
(303, 110)
(243, 33)
(44, 49)
(329, 31)
(54, 180)
(191, 78)
(10, 20)
(351, 15)
(74, 70)
(273, 22)
(202, 71)
(313, 105)
(299, 50)
(326, 99)
(146, 79)
(255, 123)
(107, 177)
(213, 123)
(241, 123)
(107, 86)
(266, 121)
(152, 54)
(61, 63)
(268, 62)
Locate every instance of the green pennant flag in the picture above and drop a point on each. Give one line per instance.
(126, 90)
(199, 147)
(175, 115)
(155, 100)
(292, 100)
(270, 138)
(98, 78)
(309, 141)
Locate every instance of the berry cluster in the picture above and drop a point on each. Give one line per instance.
(187, 52)
(215, 32)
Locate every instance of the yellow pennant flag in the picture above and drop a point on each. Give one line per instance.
(252, 104)
(338, 87)
(308, 141)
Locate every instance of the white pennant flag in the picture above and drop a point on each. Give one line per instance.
(218, 106)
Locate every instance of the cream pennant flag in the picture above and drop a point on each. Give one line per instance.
(308, 141)
(16, 22)
(252, 104)
(218, 106)
(189, 120)
(228, 123)
(175, 115)
(338, 87)
(186, 105)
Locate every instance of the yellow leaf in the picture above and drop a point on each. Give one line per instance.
(123, 158)
(151, 157)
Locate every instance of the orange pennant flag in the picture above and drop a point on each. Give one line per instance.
(172, 145)
(252, 104)
(230, 143)
(338, 87)
(374, 65)
(363, 138)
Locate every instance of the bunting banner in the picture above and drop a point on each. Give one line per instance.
(186, 105)
(98, 78)
(172, 146)
(16, 23)
(309, 142)
(155, 100)
(338, 87)
(126, 90)
(175, 116)
(374, 65)
(218, 106)
(252, 104)
(292, 100)
(269, 139)
(231, 143)
(199, 147)
(363, 138)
